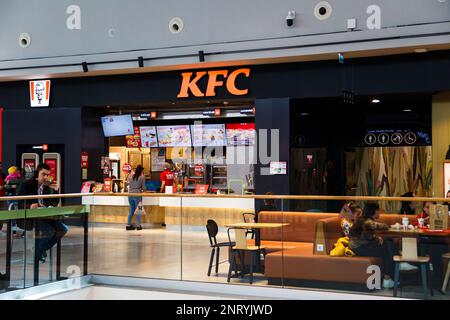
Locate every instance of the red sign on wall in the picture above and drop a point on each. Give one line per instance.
(84, 159)
(126, 167)
(198, 170)
(29, 165)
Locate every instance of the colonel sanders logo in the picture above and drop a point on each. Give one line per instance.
(40, 93)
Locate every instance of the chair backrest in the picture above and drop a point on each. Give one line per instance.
(409, 248)
(212, 229)
(248, 217)
(301, 225)
(240, 238)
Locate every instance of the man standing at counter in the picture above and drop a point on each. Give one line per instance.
(166, 177)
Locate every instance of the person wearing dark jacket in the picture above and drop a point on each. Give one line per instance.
(364, 241)
(51, 229)
(407, 206)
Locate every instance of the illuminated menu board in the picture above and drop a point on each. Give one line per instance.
(241, 134)
(174, 136)
(148, 137)
(208, 135)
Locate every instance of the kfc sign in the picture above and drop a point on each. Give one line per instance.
(40, 93)
(216, 78)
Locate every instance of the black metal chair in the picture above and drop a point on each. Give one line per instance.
(213, 229)
(249, 217)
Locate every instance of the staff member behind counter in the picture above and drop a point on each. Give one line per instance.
(167, 177)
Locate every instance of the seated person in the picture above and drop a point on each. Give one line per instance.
(434, 247)
(424, 214)
(51, 230)
(349, 213)
(407, 206)
(364, 241)
(268, 205)
(447, 196)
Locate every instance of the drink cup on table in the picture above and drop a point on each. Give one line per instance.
(421, 222)
(405, 223)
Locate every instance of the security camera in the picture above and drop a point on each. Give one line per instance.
(290, 18)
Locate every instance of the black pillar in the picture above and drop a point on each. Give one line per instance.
(273, 114)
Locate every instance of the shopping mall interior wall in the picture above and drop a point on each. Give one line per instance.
(60, 126)
(173, 32)
(272, 114)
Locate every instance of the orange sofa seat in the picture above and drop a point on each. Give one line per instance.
(298, 257)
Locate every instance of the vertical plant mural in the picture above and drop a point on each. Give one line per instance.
(393, 171)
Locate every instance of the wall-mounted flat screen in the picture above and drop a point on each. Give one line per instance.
(148, 137)
(208, 135)
(241, 134)
(174, 136)
(117, 125)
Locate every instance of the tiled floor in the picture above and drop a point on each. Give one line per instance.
(150, 253)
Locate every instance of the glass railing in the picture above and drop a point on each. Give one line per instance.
(43, 240)
(276, 241)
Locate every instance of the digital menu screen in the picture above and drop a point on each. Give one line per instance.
(241, 134)
(174, 136)
(117, 125)
(208, 135)
(148, 137)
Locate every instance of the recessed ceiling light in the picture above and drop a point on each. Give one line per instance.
(376, 101)
(420, 50)
(407, 110)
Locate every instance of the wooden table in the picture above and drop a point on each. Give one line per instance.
(419, 232)
(257, 226)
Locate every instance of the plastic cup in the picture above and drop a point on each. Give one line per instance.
(405, 223)
(421, 222)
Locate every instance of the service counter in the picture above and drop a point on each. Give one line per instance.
(171, 210)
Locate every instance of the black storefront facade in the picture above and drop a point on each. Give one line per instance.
(73, 118)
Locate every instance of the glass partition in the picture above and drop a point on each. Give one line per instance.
(145, 246)
(354, 246)
(13, 246)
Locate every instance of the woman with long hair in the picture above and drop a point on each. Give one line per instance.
(136, 183)
(365, 242)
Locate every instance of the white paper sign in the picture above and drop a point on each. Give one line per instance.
(169, 189)
(278, 167)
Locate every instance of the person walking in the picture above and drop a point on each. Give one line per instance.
(136, 183)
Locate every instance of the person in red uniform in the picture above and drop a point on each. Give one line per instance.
(167, 177)
(425, 214)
